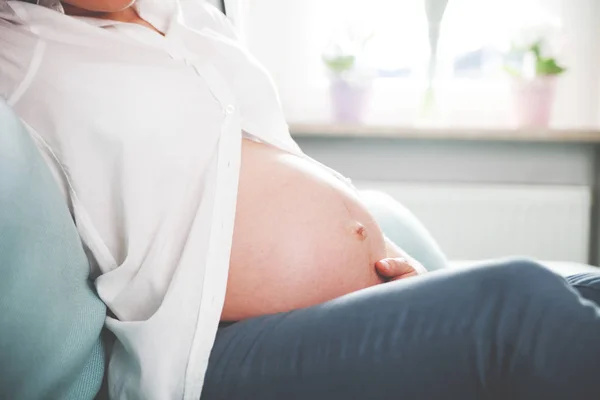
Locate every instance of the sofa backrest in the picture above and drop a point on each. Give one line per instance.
(50, 316)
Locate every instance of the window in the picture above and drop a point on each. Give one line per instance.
(392, 37)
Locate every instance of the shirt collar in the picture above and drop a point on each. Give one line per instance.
(52, 4)
(159, 13)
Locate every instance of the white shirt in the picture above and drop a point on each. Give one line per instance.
(144, 133)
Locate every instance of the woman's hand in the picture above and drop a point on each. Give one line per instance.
(398, 265)
(393, 269)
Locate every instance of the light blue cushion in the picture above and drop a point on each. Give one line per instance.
(403, 228)
(50, 317)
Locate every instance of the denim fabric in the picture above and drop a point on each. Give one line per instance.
(506, 330)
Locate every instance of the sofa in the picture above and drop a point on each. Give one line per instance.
(51, 320)
(50, 317)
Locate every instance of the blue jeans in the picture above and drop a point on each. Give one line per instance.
(508, 330)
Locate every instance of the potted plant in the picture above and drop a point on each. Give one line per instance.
(533, 84)
(350, 81)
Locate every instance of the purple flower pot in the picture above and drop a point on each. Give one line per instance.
(349, 100)
(533, 101)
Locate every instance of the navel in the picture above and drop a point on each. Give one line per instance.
(359, 230)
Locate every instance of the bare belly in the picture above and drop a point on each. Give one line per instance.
(301, 236)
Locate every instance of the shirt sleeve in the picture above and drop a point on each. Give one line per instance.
(17, 49)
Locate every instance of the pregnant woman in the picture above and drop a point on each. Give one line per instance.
(234, 266)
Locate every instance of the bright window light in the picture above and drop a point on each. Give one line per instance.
(291, 37)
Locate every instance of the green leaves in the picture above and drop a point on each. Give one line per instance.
(340, 64)
(512, 71)
(544, 66)
(536, 49)
(343, 54)
(548, 66)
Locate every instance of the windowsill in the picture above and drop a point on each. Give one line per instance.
(549, 135)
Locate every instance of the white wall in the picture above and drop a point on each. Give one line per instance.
(474, 222)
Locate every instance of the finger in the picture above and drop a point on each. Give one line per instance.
(393, 267)
(411, 274)
(416, 265)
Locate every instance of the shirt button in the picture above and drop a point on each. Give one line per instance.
(229, 109)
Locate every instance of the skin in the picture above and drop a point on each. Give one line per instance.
(397, 264)
(114, 10)
(99, 7)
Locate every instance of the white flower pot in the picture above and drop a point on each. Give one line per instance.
(349, 99)
(533, 101)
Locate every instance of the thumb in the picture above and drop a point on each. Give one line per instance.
(393, 267)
